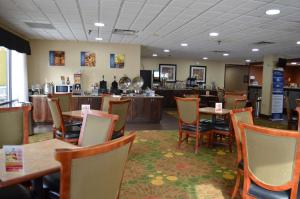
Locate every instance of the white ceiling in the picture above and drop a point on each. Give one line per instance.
(164, 24)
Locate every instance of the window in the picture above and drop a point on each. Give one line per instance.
(4, 74)
(13, 76)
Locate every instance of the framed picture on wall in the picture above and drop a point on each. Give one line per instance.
(87, 59)
(168, 71)
(56, 58)
(116, 60)
(198, 72)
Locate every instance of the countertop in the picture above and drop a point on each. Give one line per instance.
(129, 96)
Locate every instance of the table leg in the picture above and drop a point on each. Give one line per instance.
(37, 188)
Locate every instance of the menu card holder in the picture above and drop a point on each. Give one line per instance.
(85, 109)
(218, 107)
(14, 158)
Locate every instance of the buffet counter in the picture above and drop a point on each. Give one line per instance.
(142, 108)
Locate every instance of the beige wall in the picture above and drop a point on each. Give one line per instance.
(215, 70)
(38, 61)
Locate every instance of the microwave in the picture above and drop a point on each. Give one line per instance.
(63, 89)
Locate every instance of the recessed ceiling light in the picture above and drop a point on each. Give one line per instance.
(205, 58)
(166, 50)
(248, 60)
(225, 54)
(255, 49)
(184, 44)
(273, 12)
(294, 63)
(98, 38)
(154, 55)
(298, 42)
(99, 24)
(213, 34)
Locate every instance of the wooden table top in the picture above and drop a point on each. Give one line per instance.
(39, 160)
(77, 114)
(211, 110)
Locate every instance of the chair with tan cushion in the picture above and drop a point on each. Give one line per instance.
(67, 132)
(14, 125)
(87, 172)
(271, 162)
(189, 121)
(106, 98)
(239, 115)
(235, 101)
(97, 128)
(119, 108)
(65, 101)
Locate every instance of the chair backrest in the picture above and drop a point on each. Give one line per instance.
(105, 101)
(58, 122)
(191, 95)
(240, 115)
(271, 157)
(234, 101)
(298, 111)
(96, 128)
(65, 101)
(95, 171)
(119, 108)
(188, 109)
(14, 125)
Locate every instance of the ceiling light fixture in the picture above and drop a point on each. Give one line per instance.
(298, 43)
(255, 49)
(166, 50)
(154, 55)
(213, 34)
(225, 54)
(99, 24)
(99, 38)
(273, 12)
(205, 58)
(184, 44)
(294, 63)
(248, 60)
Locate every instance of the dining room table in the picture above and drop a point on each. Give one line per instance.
(78, 115)
(212, 111)
(39, 160)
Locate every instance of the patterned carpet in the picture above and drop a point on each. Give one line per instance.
(156, 169)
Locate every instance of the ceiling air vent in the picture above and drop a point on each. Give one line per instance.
(124, 31)
(219, 51)
(262, 43)
(39, 25)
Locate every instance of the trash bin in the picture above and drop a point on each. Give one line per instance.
(257, 106)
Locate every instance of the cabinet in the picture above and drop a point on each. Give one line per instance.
(40, 109)
(94, 101)
(144, 109)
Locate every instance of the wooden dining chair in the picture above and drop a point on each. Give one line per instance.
(65, 131)
(65, 100)
(106, 98)
(119, 108)
(271, 162)
(97, 128)
(14, 122)
(239, 115)
(189, 121)
(94, 171)
(235, 101)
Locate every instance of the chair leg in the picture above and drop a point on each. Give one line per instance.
(179, 138)
(187, 138)
(237, 185)
(197, 143)
(230, 143)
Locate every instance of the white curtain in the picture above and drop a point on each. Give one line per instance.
(19, 79)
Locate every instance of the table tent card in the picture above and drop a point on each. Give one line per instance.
(218, 107)
(85, 109)
(14, 158)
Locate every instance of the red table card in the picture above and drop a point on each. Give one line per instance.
(14, 159)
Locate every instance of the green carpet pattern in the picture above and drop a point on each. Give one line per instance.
(156, 169)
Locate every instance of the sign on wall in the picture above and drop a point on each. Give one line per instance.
(277, 94)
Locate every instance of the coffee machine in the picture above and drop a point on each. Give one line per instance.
(103, 86)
